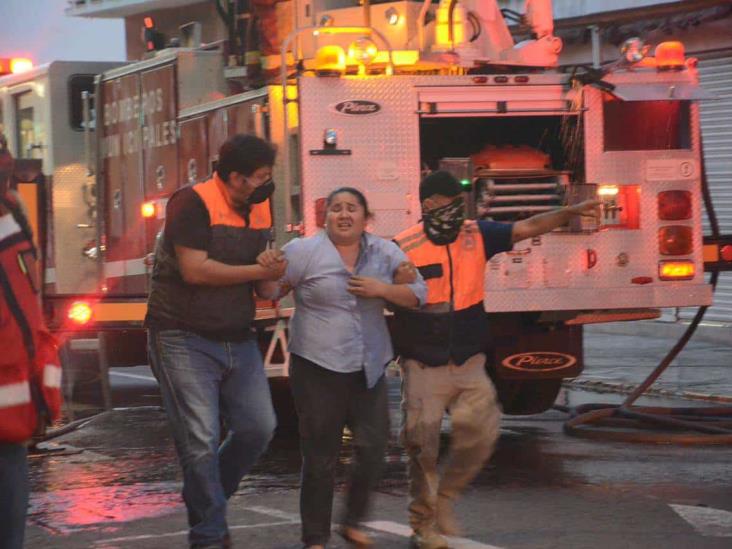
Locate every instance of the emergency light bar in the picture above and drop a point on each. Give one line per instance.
(14, 65)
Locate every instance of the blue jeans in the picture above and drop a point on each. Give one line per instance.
(200, 381)
(13, 494)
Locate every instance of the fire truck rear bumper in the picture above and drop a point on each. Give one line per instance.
(574, 299)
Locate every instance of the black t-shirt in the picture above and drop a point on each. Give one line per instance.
(187, 222)
(496, 237)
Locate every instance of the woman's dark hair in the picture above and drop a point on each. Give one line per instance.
(355, 192)
(244, 154)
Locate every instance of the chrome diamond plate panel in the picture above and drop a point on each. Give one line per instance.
(71, 207)
(548, 274)
(554, 275)
(384, 157)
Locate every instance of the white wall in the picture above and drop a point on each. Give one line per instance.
(575, 8)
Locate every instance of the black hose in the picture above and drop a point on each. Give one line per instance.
(660, 425)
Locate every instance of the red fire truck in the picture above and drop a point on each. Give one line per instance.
(374, 96)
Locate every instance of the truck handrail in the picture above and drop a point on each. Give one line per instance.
(85, 100)
(421, 22)
(314, 30)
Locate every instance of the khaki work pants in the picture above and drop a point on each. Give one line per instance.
(468, 395)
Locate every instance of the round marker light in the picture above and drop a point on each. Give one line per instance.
(148, 209)
(634, 49)
(363, 50)
(392, 16)
(80, 312)
(330, 138)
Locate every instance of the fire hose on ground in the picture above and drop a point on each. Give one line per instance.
(660, 425)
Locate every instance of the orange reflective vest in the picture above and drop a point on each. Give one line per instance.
(30, 371)
(216, 312)
(214, 196)
(452, 325)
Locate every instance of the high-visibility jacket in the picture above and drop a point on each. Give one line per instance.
(30, 371)
(452, 325)
(217, 312)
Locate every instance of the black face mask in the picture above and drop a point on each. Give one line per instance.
(442, 225)
(261, 193)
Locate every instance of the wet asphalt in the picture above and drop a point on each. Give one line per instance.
(115, 482)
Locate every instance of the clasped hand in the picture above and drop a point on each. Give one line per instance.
(274, 262)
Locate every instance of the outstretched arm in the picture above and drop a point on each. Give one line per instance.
(545, 222)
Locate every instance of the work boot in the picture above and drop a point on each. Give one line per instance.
(427, 538)
(447, 522)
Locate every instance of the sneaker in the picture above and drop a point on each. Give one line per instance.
(428, 539)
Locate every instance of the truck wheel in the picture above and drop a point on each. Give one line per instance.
(527, 397)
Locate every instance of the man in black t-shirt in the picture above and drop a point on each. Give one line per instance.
(200, 341)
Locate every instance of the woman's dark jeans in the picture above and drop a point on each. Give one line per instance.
(326, 402)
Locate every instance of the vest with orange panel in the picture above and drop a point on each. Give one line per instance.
(452, 325)
(219, 312)
(30, 371)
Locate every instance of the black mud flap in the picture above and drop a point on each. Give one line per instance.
(527, 361)
(532, 351)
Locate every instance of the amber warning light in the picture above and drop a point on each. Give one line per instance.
(15, 65)
(148, 209)
(80, 312)
(676, 270)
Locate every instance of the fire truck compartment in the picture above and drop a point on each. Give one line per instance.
(521, 165)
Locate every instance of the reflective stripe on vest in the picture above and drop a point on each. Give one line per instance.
(52, 376)
(14, 394)
(30, 375)
(464, 259)
(8, 227)
(214, 196)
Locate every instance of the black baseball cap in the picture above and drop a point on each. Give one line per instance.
(439, 182)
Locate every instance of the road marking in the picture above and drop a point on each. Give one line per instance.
(131, 376)
(276, 513)
(292, 518)
(706, 520)
(405, 532)
(103, 542)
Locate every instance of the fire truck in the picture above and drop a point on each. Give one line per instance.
(375, 96)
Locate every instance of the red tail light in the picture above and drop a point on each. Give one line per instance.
(675, 240)
(676, 270)
(674, 205)
(80, 312)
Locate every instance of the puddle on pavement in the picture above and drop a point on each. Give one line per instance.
(127, 468)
